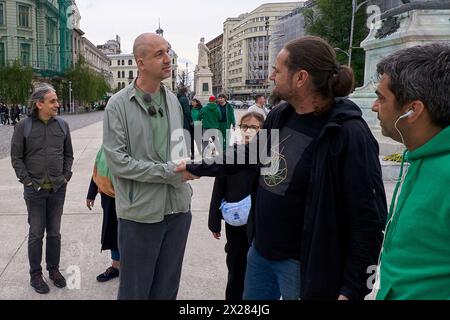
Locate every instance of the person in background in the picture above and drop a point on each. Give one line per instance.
(232, 193)
(196, 107)
(227, 118)
(101, 182)
(42, 157)
(259, 106)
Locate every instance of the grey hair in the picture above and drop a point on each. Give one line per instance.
(38, 95)
(421, 73)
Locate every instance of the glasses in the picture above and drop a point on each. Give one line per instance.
(245, 127)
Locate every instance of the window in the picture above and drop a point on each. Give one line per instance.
(123, 74)
(24, 16)
(118, 74)
(2, 13)
(130, 62)
(25, 54)
(123, 63)
(2, 55)
(130, 75)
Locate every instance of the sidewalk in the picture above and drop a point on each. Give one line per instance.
(204, 271)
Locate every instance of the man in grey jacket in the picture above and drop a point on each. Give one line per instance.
(152, 202)
(42, 156)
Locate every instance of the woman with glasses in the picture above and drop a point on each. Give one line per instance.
(231, 202)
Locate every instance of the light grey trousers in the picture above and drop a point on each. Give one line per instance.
(151, 257)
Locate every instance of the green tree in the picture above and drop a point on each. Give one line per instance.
(87, 85)
(331, 20)
(16, 83)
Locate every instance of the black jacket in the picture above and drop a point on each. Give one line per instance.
(346, 206)
(232, 188)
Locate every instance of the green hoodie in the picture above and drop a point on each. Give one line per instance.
(210, 116)
(415, 262)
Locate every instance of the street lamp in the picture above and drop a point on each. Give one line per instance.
(355, 8)
(70, 96)
(266, 85)
(343, 51)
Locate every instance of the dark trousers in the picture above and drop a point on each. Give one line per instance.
(45, 209)
(236, 248)
(151, 257)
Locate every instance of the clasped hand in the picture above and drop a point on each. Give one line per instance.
(186, 175)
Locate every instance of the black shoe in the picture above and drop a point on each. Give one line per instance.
(57, 278)
(109, 274)
(38, 284)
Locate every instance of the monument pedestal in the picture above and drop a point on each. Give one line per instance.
(402, 27)
(203, 84)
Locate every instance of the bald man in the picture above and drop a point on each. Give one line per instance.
(142, 126)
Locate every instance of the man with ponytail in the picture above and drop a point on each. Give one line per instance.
(316, 224)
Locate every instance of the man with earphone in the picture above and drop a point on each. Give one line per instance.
(413, 107)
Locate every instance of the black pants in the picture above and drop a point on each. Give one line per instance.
(151, 257)
(45, 209)
(236, 248)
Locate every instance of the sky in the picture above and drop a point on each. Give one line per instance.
(183, 22)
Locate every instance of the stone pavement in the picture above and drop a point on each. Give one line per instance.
(204, 271)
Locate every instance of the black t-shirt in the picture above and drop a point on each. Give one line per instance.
(281, 197)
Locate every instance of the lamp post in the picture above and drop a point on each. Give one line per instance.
(266, 85)
(70, 96)
(355, 8)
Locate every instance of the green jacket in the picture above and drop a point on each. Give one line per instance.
(146, 188)
(210, 116)
(415, 262)
(195, 114)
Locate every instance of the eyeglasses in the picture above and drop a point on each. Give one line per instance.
(245, 127)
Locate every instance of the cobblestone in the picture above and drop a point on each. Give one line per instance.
(75, 121)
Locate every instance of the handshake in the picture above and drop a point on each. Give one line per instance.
(186, 175)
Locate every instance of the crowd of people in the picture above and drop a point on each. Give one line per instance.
(312, 226)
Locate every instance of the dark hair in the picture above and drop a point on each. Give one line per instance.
(38, 95)
(182, 91)
(421, 73)
(223, 95)
(318, 58)
(199, 104)
(259, 96)
(255, 115)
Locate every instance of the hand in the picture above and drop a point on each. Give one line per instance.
(343, 298)
(181, 167)
(89, 204)
(216, 235)
(187, 176)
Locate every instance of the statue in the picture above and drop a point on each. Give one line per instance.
(203, 52)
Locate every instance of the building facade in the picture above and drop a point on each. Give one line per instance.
(246, 50)
(123, 68)
(285, 29)
(37, 34)
(215, 59)
(111, 47)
